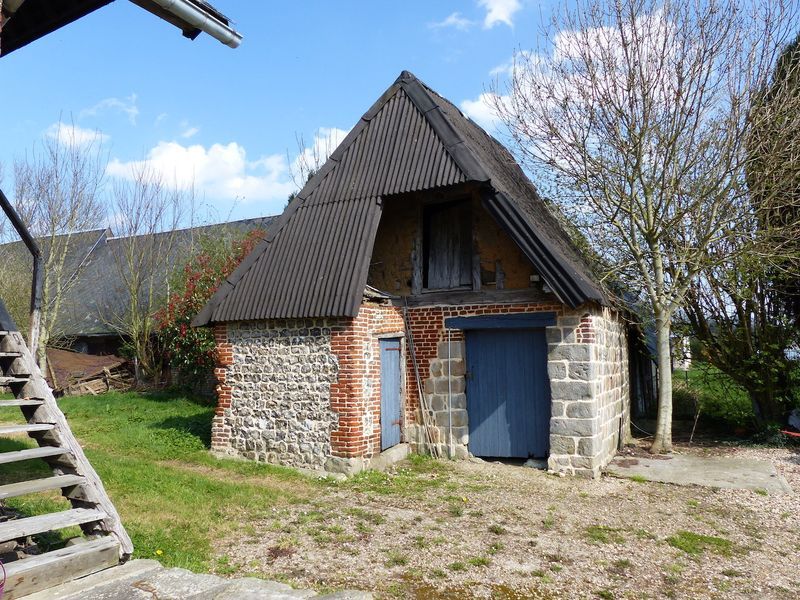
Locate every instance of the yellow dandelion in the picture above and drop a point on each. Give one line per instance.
(159, 552)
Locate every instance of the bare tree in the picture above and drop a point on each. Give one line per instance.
(58, 193)
(634, 115)
(147, 214)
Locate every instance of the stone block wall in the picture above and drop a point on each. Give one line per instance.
(589, 385)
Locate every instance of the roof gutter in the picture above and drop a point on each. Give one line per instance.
(202, 20)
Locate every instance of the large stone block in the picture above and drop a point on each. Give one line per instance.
(571, 390)
(589, 446)
(556, 409)
(584, 371)
(573, 427)
(581, 410)
(552, 335)
(449, 385)
(560, 444)
(557, 369)
(571, 352)
(455, 350)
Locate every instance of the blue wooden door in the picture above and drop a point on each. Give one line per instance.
(391, 406)
(508, 393)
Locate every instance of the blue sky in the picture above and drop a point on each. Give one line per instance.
(227, 118)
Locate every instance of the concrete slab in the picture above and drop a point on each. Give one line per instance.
(148, 579)
(710, 471)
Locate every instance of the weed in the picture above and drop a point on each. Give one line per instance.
(395, 558)
(438, 573)
(497, 529)
(583, 494)
(224, 566)
(637, 479)
(420, 542)
(363, 528)
(456, 510)
(556, 568)
(693, 503)
(602, 534)
(457, 566)
(549, 522)
(605, 594)
(643, 534)
(761, 492)
(732, 573)
(480, 561)
(695, 544)
(495, 548)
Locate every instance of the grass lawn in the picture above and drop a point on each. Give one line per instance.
(151, 451)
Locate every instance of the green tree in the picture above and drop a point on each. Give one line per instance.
(745, 310)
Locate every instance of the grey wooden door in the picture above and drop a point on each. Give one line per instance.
(508, 393)
(391, 386)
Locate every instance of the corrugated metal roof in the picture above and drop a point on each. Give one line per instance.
(314, 260)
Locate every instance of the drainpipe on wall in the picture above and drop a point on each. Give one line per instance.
(451, 449)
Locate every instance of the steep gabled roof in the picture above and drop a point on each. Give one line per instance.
(314, 260)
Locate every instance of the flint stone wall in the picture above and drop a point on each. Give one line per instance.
(279, 380)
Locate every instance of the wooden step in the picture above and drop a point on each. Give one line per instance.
(12, 380)
(22, 402)
(20, 455)
(20, 528)
(34, 486)
(9, 429)
(48, 570)
(10, 354)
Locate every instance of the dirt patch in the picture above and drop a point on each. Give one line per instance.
(484, 530)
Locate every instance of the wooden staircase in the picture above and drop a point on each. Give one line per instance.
(105, 542)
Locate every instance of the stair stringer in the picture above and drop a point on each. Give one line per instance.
(91, 493)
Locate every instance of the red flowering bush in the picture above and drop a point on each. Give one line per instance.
(191, 350)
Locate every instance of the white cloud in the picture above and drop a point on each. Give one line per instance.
(482, 111)
(126, 106)
(455, 20)
(222, 172)
(190, 132)
(326, 139)
(68, 134)
(499, 11)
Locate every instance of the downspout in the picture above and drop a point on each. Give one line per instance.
(38, 275)
(194, 15)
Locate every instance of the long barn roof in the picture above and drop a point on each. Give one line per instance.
(314, 259)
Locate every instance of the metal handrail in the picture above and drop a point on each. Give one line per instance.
(36, 284)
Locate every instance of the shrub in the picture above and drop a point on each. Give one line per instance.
(192, 350)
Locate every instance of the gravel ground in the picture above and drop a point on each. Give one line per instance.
(488, 530)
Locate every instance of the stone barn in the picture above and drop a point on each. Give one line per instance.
(418, 294)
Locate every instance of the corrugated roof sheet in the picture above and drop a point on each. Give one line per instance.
(314, 260)
(314, 263)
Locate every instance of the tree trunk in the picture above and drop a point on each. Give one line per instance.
(662, 443)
